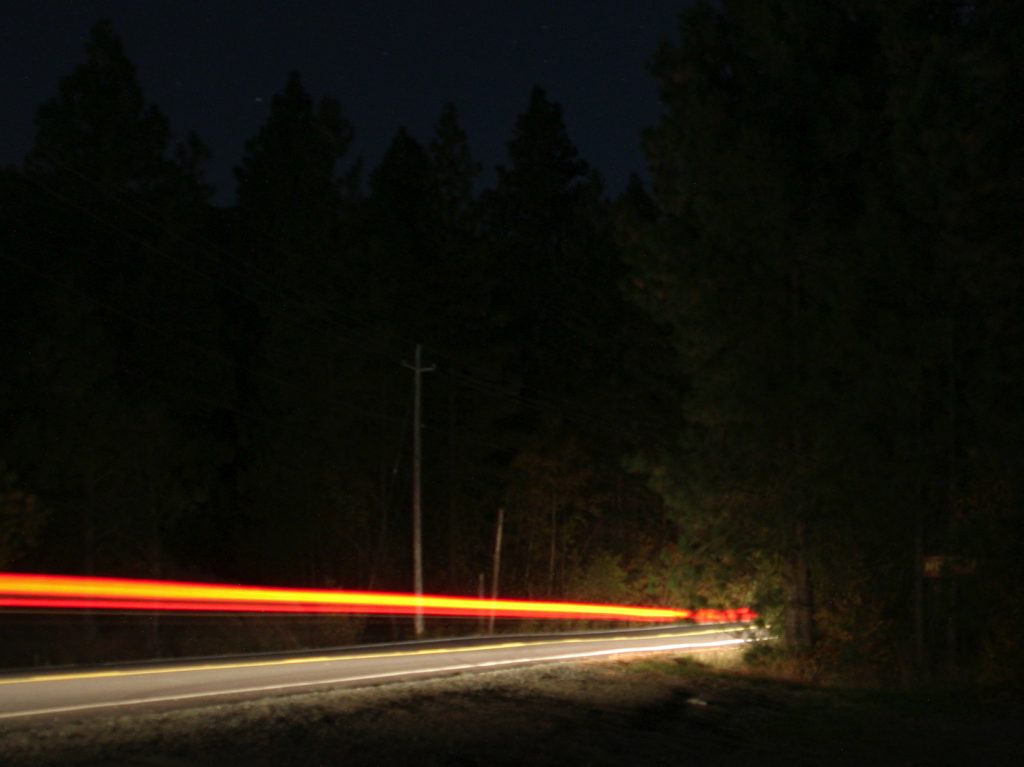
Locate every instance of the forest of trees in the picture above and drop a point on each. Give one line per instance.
(788, 375)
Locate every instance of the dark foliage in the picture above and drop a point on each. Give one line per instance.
(190, 391)
(837, 247)
(789, 374)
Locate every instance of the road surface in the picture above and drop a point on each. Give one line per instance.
(77, 691)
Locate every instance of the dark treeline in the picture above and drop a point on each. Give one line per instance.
(838, 252)
(789, 375)
(203, 392)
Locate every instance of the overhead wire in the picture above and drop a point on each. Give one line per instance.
(226, 359)
(571, 410)
(249, 272)
(213, 354)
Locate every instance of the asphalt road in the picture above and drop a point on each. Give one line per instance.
(72, 692)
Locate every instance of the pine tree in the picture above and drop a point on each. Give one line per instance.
(535, 221)
(99, 127)
(307, 378)
(756, 164)
(118, 312)
(823, 172)
(290, 185)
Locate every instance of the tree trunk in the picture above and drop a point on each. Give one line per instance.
(800, 607)
(920, 650)
(528, 569)
(90, 632)
(554, 539)
(454, 528)
(952, 488)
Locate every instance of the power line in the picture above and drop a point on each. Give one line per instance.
(219, 356)
(301, 302)
(570, 410)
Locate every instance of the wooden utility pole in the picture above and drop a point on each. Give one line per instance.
(554, 544)
(417, 524)
(480, 593)
(497, 565)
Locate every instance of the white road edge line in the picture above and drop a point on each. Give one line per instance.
(310, 659)
(369, 677)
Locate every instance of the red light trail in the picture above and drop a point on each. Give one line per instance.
(78, 592)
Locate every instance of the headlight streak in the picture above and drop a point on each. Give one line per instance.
(555, 653)
(19, 590)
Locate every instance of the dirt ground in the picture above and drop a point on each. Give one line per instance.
(640, 710)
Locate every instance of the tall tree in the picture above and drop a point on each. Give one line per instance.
(420, 233)
(120, 313)
(454, 171)
(577, 347)
(100, 125)
(537, 222)
(822, 173)
(945, 201)
(756, 164)
(304, 376)
(290, 183)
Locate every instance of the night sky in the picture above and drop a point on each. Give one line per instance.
(213, 66)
